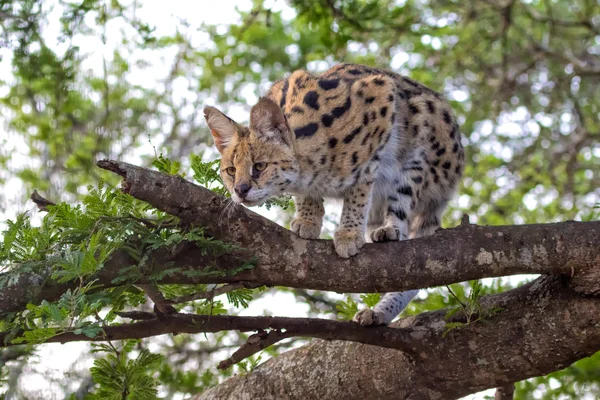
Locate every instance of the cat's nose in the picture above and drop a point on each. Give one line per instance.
(242, 190)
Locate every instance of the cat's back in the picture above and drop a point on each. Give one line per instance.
(341, 120)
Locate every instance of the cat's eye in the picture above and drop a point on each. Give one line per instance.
(230, 171)
(260, 166)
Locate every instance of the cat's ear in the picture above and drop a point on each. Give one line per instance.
(222, 128)
(267, 121)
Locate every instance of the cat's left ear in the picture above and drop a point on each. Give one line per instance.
(267, 121)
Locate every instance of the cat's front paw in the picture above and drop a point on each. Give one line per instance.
(348, 242)
(305, 228)
(368, 317)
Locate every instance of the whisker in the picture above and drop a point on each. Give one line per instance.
(224, 210)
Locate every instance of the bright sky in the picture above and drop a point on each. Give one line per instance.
(55, 360)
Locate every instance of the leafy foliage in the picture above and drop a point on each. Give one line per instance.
(470, 309)
(73, 243)
(346, 309)
(120, 377)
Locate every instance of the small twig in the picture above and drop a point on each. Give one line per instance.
(505, 392)
(457, 299)
(136, 315)
(253, 345)
(217, 291)
(464, 221)
(41, 202)
(161, 304)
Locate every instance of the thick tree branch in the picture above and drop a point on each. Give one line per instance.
(543, 326)
(283, 259)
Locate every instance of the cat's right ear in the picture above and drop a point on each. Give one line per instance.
(222, 128)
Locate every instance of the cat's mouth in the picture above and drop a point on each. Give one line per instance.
(253, 203)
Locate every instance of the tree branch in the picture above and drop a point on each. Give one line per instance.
(294, 327)
(543, 326)
(283, 259)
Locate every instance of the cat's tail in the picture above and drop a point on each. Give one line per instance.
(394, 303)
(390, 305)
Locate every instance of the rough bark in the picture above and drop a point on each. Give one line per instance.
(544, 326)
(283, 259)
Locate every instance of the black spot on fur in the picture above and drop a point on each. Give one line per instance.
(400, 214)
(455, 148)
(354, 157)
(298, 110)
(378, 81)
(457, 170)
(339, 111)
(365, 119)
(405, 190)
(447, 118)
(435, 145)
(413, 109)
(440, 151)
(436, 163)
(360, 93)
(354, 72)
(323, 159)
(430, 107)
(311, 99)
(369, 100)
(328, 84)
(413, 93)
(306, 131)
(447, 165)
(327, 120)
(417, 179)
(453, 132)
(332, 142)
(383, 111)
(284, 90)
(391, 97)
(415, 129)
(352, 135)
(410, 82)
(401, 94)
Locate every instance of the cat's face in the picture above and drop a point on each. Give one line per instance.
(258, 162)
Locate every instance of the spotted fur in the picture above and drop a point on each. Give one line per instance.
(387, 145)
